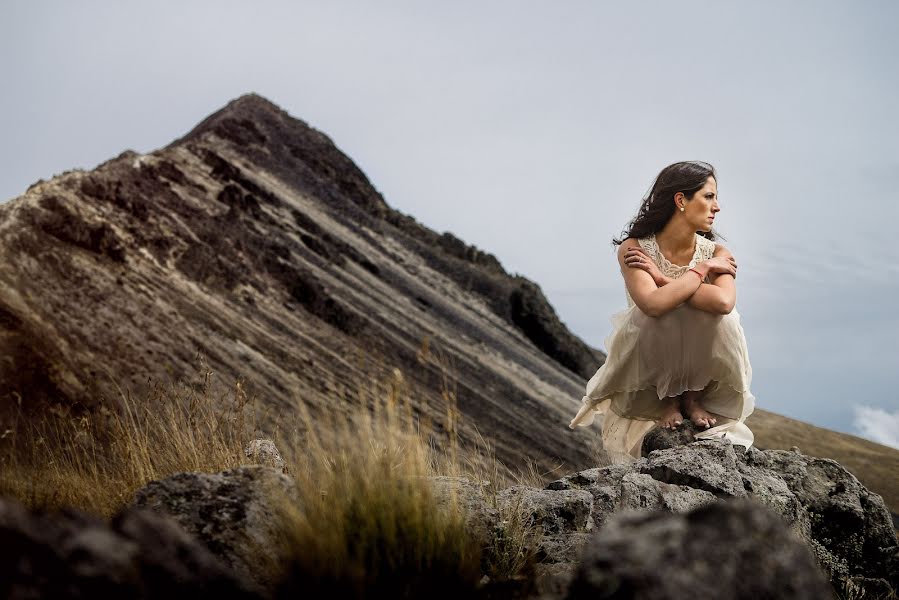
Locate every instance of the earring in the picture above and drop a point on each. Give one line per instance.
(682, 209)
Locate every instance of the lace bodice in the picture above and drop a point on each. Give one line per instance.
(705, 248)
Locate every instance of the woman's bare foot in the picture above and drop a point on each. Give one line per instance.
(671, 417)
(695, 412)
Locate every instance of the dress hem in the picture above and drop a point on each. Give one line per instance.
(589, 401)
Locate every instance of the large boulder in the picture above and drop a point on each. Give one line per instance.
(729, 548)
(138, 554)
(234, 513)
(846, 518)
(847, 528)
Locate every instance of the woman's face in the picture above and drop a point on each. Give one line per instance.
(701, 210)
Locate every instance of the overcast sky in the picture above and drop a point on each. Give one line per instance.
(533, 130)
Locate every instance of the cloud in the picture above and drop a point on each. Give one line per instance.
(877, 424)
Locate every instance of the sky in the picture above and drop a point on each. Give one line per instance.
(533, 130)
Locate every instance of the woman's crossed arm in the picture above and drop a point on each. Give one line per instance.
(718, 297)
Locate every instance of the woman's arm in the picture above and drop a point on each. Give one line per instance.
(719, 296)
(653, 300)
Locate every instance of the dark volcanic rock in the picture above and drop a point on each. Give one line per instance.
(845, 526)
(71, 554)
(729, 549)
(659, 438)
(231, 512)
(706, 465)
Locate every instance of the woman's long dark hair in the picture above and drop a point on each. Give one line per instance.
(658, 205)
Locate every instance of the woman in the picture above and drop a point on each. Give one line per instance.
(678, 350)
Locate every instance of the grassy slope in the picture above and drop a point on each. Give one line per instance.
(875, 465)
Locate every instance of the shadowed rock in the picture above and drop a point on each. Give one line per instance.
(233, 513)
(659, 438)
(730, 549)
(139, 554)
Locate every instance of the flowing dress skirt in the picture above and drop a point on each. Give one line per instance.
(652, 358)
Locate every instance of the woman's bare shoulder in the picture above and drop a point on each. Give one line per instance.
(625, 245)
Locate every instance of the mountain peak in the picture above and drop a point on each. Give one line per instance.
(249, 109)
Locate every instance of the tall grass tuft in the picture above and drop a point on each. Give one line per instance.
(368, 523)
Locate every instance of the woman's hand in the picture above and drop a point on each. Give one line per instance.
(722, 264)
(637, 258)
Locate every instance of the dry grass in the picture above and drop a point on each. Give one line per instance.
(852, 591)
(96, 462)
(366, 522)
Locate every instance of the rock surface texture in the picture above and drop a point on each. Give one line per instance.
(233, 513)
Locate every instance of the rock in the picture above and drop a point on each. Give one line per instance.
(555, 512)
(641, 492)
(264, 452)
(139, 554)
(847, 519)
(606, 499)
(234, 513)
(770, 489)
(846, 527)
(735, 548)
(551, 580)
(471, 496)
(170, 558)
(577, 480)
(659, 438)
(709, 465)
(604, 484)
(561, 548)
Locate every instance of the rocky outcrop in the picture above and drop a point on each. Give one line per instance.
(233, 513)
(656, 528)
(138, 554)
(846, 526)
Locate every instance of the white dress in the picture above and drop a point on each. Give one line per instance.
(651, 358)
